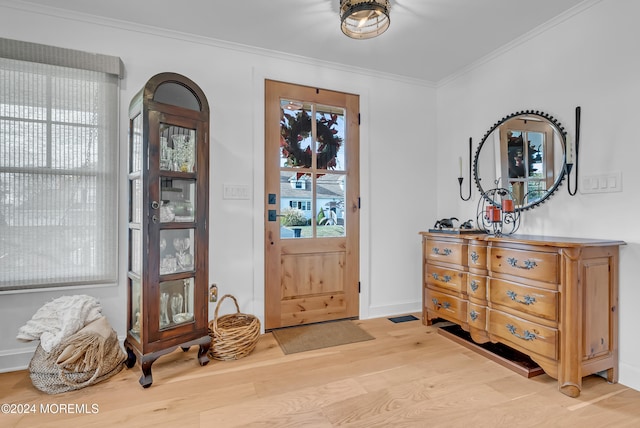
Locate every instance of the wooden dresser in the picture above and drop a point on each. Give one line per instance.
(554, 299)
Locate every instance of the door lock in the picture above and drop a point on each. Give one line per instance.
(272, 215)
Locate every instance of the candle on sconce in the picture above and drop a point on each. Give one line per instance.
(489, 212)
(496, 215)
(507, 205)
(460, 165)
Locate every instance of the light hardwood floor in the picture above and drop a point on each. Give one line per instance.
(409, 376)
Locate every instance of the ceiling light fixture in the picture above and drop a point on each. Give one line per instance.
(364, 19)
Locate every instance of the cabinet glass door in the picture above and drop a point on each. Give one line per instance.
(176, 302)
(178, 199)
(177, 148)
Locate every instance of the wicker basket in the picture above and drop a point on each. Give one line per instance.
(233, 336)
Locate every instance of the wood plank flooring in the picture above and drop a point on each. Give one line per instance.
(409, 376)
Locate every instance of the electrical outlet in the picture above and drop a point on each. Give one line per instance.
(213, 293)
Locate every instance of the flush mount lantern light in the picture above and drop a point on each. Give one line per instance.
(364, 19)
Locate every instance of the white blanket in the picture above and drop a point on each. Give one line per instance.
(60, 318)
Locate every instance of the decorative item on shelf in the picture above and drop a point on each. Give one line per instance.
(461, 178)
(467, 224)
(496, 213)
(166, 212)
(183, 153)
(184, 258)
(296, 128)
(446, 225)
(571, 161)
(164, 310)
(169, 264)
(183, 211)
(364, 19)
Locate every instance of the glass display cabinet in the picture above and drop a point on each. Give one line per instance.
(168, 209)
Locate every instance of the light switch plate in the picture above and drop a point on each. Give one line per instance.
(601, 183)
(236, 191)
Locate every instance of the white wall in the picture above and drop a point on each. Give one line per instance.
(396, 161)
(587, 59)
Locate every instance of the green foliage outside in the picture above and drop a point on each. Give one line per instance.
(293, 217)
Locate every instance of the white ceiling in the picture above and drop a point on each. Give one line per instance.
(427, 39)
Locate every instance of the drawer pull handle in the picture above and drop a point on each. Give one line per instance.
(474, 285)
(445, 252)
(474, 315)
(445, 278)
(527, 334)
(528, 300)
(528, 264)
(474, 257)
(443, 305)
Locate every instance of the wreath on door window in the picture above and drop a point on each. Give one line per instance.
(295, 128)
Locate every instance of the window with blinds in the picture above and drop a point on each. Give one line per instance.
(58, 167)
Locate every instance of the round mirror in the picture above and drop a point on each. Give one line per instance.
(524, 153)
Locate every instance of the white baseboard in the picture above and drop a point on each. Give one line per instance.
(12, 360)
(394, 310)
(629, 376)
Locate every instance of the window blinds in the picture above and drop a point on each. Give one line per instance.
(58, 166)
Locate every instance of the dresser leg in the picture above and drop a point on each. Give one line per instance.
(571, 389)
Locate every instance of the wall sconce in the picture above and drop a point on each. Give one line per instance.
(496, 213)
(364, 19)
(570, 160)
(461, 178)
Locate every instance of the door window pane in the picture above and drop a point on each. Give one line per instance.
(330, 198)
(295, 135)
(330, 138)
(296, 208)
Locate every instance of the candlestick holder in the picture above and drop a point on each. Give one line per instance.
(461, 178)
(496, 213)
(574, 162)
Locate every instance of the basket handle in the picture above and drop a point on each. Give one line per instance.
(215, 316)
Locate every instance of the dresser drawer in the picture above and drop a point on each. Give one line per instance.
(477, 258)
(449, 279)
(477, 288)
(477, 316)
(528, 335)
(535, 265)
(446, 306)
(446, 252)
(532, 300)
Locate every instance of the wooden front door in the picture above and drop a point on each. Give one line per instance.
(312, 215)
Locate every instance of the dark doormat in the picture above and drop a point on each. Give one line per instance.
(317, 336)
(501, 354)
(403, 318)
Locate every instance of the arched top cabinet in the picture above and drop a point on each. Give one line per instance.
(168, 210)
